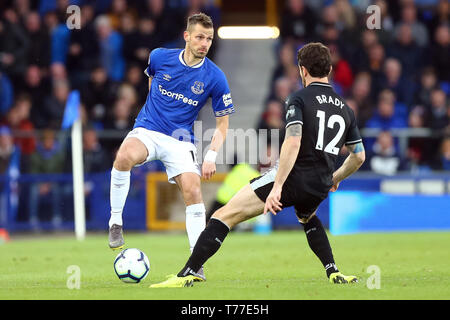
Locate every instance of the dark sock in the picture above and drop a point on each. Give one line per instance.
(207, 245)
(319, 244)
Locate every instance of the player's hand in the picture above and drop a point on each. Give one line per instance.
(335, 187)
(208, 170)
(273, 203)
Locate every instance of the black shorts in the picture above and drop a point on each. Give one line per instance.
(305, 203)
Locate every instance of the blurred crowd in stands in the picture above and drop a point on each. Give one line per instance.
(42, 60)
(394, 77)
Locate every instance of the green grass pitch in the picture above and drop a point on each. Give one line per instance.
(279, 266)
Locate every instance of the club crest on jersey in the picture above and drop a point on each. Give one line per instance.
(198, 87)
(291, 112)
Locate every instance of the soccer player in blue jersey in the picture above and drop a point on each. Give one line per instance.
(180, 83)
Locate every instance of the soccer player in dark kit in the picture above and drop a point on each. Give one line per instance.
(319, 124)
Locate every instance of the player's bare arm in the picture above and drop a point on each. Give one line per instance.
(351, 164)
(209, 164)
(288, 156)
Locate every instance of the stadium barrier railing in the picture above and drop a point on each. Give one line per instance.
(154, 204)
(18, 195)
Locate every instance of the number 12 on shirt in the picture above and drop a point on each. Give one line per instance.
(335, 118)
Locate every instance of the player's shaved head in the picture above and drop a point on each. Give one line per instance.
(199, 18)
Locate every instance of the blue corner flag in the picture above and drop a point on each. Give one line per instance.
(72, 110)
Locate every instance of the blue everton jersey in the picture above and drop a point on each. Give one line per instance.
(178, 92)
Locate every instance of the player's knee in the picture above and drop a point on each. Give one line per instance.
(302, 220)
(131, 153)
(192, 193)
(124, 161)
(305, 218)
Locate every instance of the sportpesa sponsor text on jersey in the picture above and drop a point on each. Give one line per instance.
(178, 92)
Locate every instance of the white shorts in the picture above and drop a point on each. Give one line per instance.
(177, 156)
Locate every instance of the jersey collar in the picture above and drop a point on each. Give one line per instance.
(198, 65)
(317, 83)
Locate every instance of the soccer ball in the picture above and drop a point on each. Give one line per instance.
(131, 265)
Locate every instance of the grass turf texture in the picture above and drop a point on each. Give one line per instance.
(278, 266)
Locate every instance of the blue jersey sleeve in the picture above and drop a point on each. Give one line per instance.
(153, 60)
(222, 103)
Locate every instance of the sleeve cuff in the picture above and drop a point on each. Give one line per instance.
(353, 142)
(294, 122)
(224, 112)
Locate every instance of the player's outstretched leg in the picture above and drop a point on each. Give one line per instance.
(243, 206)
(207, 244)
(320, 245)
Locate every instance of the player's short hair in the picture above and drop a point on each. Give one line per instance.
(316, 58)
(199, 18)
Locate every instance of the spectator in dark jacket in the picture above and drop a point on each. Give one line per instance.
(169, 22)
(95, 158)
(38, 87)
(298, 22)
(147, 40)
(98, 94)
(377, 56)
(406, 51)
(83, 52)
(130, 34)
(439, 52)
(360, 57)
(14, 45)
(360, 93)
(441, 15)
(121, 120)
(393, 79)
(39, 50)
(428, 82)
(285, 59)
(55, 104)
(439, 119)
(136, 78)
(49, 158)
